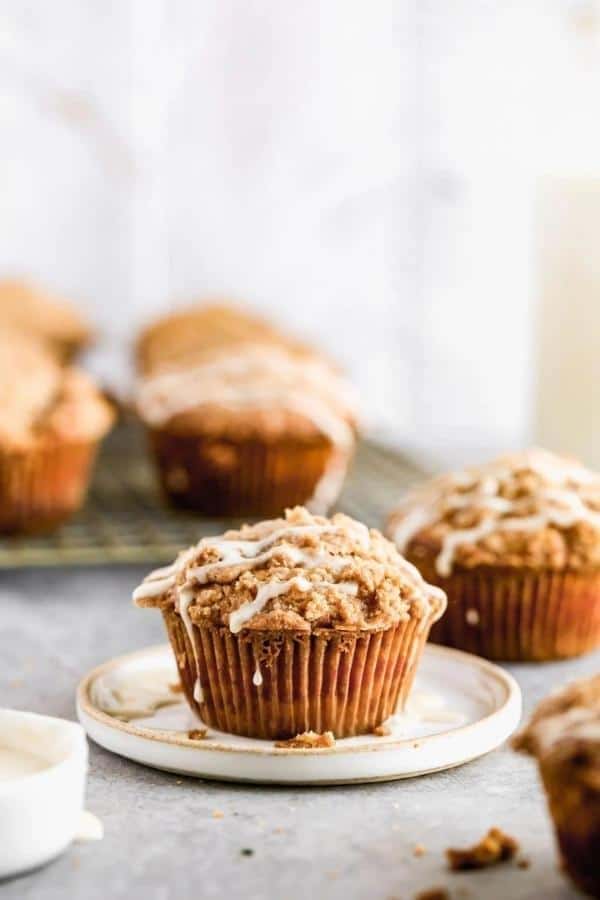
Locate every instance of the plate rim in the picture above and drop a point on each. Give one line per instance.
(512, 698)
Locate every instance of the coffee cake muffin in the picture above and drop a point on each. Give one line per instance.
(250, 430)
(564, 736)
(51, 420)
(39, 315)
(294, 625)
(516, 546)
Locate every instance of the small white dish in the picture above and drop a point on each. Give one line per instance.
(43, 766)
(461, 707)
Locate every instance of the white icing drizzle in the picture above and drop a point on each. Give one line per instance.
(558, 503)
(577, 722)
(186, 596)
(263, 377)
(257, 678)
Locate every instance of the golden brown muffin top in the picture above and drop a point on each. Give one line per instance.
(185, 336)
(298, 573)
(40, 400)
(40, 315)
(253, 390)
(531, 509)
(565, 730)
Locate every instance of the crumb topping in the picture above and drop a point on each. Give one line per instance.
(532, 509)
(40, 400)
(27, 307)
(188, 334)
(297, 573)
(565, 729)
(308, 740)
(256, 388)
(495, 847)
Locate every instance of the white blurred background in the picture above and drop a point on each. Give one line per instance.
(413, 184)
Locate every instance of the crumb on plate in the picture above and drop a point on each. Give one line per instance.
(308, 740)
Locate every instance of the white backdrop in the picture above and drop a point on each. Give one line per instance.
(364, 172)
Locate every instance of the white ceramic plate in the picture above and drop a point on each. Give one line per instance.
(461, 707)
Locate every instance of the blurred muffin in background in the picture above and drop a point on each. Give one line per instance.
(51, 420)
(187, 334)
(293, 625)
(42, 316)
(243, 421)
(564, 736)
(516, 546)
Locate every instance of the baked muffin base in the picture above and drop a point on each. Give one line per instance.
(219, 477)
(42, 486)
(576, 815)
(325, 680)
(518, 615)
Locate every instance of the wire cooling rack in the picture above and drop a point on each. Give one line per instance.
(126, 521)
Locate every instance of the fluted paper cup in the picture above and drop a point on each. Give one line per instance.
(43, 485)
(325, 680)
(519, 615)
(220, 477)
(575, 810)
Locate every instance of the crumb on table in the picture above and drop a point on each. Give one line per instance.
(495, 847)
(310, 740)
(435, 893)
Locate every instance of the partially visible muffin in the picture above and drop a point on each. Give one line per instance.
(51, 420)
(516, 546)
(41, 316)
(250, 429)
(186, 335)
(564, 736)
(294, 625)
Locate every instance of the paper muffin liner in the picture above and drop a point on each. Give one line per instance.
(513, 615)
(325, 680)
(576, 816)
(246, 478)
(42, 486)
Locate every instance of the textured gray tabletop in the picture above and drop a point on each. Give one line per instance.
(161, 838)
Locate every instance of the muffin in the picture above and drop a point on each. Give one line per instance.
(294, 625)
(186, 335)
(249, 430)
(516, 546)
(564, 736)
(51, 420)
(55, 322)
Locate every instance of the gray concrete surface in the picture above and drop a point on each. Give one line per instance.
(161, 839)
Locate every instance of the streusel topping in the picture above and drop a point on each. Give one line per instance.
(188, 334)
(254, 388)
(565, 724)
(534, 509)
(40, 400)
(33, 310)
(297, 573)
